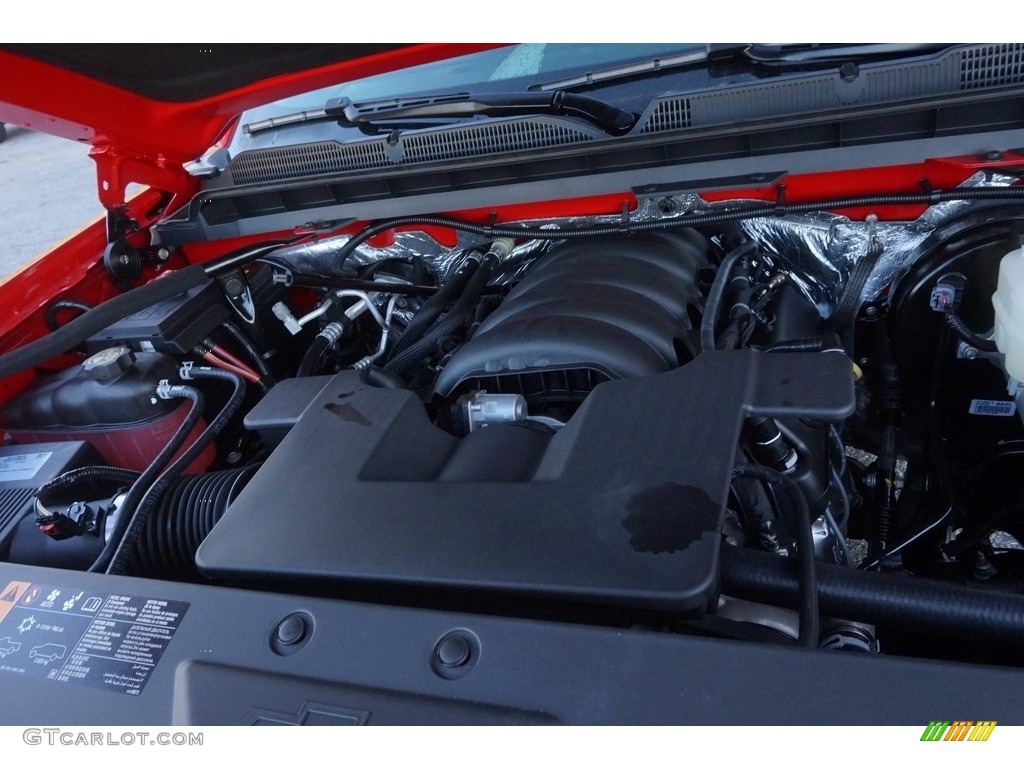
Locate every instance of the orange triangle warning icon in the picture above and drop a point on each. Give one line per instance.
(9, 596)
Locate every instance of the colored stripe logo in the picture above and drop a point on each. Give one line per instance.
(959, 730)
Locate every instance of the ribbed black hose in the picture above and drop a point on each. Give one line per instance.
(141, 513)
(182, 518)
(717, 291)
(968, 336)
(434, 306)
(808, 582)
(461, 313)
(250, 349)
(942, 608)
(149, 476)
(748, 211)
(62, 304)
(312, 357)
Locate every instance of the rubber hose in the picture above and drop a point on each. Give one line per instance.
(968, 336)
(808, 581)
(50, 317)
(461, 313)
(717, 292)
(149, 476)
(910, 602)
(312, 357)
(98, 318)
(140, 514)
(433, 306)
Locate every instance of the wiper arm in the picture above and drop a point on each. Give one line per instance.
(369, 113)
(306, 116)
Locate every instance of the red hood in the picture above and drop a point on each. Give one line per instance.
(148, 109)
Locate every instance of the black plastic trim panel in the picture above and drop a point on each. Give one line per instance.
(371, 664)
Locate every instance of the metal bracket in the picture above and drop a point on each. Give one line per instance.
(116, 169)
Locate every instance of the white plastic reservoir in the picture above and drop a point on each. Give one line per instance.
(1009, 303)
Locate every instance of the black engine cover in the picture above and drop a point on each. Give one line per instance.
(623, 506)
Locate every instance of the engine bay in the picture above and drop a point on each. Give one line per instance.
(700, 418)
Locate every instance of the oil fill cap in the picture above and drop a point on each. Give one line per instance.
(109, 363)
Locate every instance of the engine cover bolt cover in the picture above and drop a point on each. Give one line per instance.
(291, 630)
(455, 654)
(292, 633)
(453, 651)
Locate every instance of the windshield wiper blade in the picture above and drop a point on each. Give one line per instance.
(800, 53)
(633, 69)
(369, 113)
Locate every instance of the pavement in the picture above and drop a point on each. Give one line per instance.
(47, 192)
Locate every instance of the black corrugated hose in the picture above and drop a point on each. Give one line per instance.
(461, 313)
(435, 305)
(144, 481)
(139, 515)
(807, 581)
(250, 349)
(938, 607)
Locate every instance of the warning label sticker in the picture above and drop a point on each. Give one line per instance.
(22, 466)
(96, 639)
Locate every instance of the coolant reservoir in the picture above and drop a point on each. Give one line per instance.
(107, 401)
(1009, 303)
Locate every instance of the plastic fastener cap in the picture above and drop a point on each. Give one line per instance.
(454, 651)
(291, 630)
